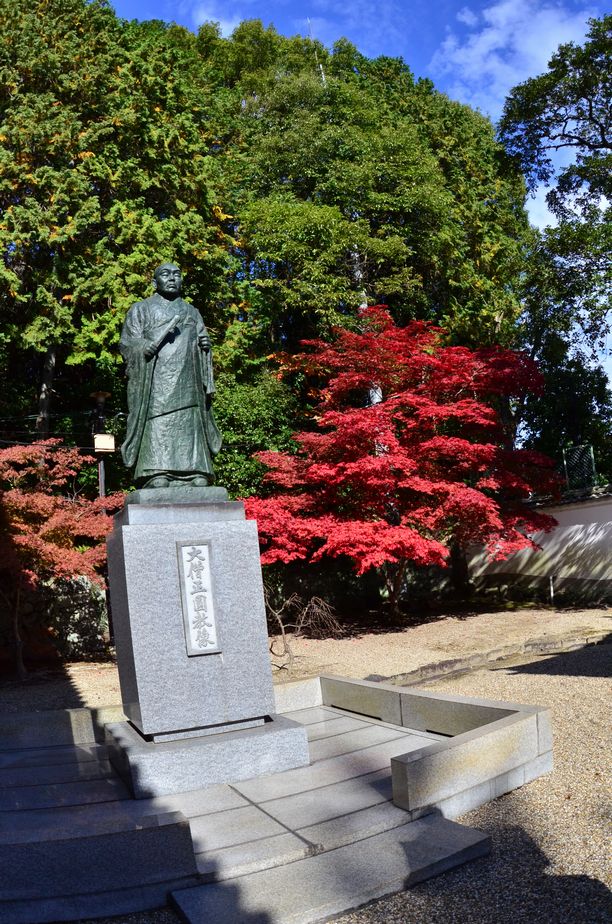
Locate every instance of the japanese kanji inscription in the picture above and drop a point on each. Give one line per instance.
(197, 597)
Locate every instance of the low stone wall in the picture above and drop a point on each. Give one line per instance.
(490, 748)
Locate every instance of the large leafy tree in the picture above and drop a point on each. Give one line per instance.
(558, 126)
(347, 181)
(49, 528)
(568, 111)
(409, 460)
(105, 170)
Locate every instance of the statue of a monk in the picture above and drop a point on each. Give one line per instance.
(172, 436)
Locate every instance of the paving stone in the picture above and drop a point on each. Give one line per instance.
(236, 826)
(352, 741)
(314, 714)
(197, 802)
(334, 725)
(338, 832)
(316, 805)
(316, 887)
(242, 859)
(326, 772)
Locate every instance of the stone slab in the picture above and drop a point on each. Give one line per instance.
(55, 773)
(334, 725)
(313, 714)
(141, 514)
(327, 802)
(60, 794)
(182, 494)
(91, 905)
(298, 694)
(237, 826)
(379, 701)
(317, 887)
(46, 757)
(440, 771)
(447, 715)
(156, 769)
(355, 826)
(241, 859)
(352, 741)
(156, 849)
(233, 681)
(326, 772)
(55, 727)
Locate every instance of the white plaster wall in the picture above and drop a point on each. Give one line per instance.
(579, 547)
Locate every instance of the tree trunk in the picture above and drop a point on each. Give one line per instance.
(45, 394)
(460, 572)
(17, 639)
(395, 582)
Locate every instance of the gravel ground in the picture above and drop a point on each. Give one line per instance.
(550, 855)
(358, 655)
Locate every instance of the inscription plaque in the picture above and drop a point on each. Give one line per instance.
(197, 598)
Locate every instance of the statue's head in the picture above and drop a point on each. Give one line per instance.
(167, 280)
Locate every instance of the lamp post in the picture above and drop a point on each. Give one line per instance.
(103, 442)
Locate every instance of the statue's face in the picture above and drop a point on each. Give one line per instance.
(167, 280)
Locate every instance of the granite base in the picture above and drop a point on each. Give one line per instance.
(161, 768)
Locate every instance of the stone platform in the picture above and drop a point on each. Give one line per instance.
(287, 848)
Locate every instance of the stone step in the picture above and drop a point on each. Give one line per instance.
(24, 798)
(316, 887)
(54, 727)
(16, 777)
(55, 863)
(46, 757)
(91, 905)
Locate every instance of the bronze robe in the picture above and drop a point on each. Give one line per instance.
(171, 428)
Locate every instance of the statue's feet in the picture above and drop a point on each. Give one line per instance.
(200, 482)
(160, 481)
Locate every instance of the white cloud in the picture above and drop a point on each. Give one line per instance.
(373, 25)
(215, 12)
(510, 41)
(467, 16)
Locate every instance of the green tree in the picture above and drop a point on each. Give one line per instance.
(105, 170)
(349, 182)
(568, 109)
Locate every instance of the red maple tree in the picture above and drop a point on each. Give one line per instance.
(410, 457)
(48, 528)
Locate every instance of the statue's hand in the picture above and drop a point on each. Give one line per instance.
(150, 350)
(204, 342)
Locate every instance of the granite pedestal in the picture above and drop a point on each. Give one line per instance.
(192, 647)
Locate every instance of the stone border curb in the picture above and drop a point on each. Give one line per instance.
(455, 666)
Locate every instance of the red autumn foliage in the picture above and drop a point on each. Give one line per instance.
(402, 479)
(48, 529)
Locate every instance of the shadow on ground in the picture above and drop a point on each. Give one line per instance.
(584, 662)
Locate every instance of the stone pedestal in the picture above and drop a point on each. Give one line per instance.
(192, 647)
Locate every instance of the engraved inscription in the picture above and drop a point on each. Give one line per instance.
(196, 592)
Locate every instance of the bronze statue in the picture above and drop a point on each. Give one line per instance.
(171, 436)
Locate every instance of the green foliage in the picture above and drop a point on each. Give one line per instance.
(252, 416)
(349, 182)
(568, 109)
(76, 615)
(103, 170)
